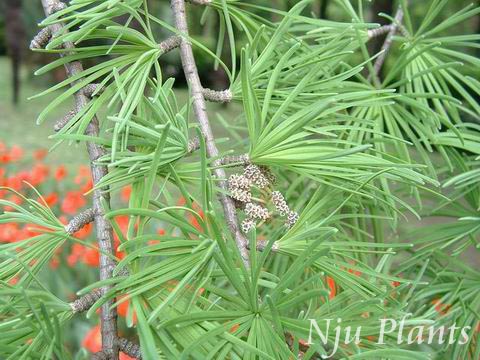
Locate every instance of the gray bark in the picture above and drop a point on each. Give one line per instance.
(199, 108)
(103, 228)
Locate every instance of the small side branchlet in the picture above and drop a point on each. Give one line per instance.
(222, 96)
(382, 30)
(130, 348)
(80, 220)
(238, 160)
(91, 90)
(193, 144)
(41, 39)
(56, 7)
(199, 2)
(86, 302)
(61, 123)
(170, 43)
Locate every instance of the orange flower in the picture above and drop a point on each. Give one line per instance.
(126, 192)
(122, 222)
(93, 340)
(194, 220)
(14, 182)
(83, 174)
(60, 173)
(234, 328)
(395, 283)
(73, 201)
(28, 231)
(39, 174)
(23, 176)
(4, 158)
(91, 257)
(14, 198)
(440, 307)
(331, 285)
(9, 232)
(122, 309)
(54, 263)
(51, 199)
(160, 232)
(355, 272)
(87, 186)
(40, 154)
(75, 254)
(84, 232)
(16, 153)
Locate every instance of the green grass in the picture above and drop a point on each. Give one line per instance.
(18, 122)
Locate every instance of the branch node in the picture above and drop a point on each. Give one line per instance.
(56, 7)
(80, 220)
(379, 31)
(235, 160)
(91, 90)
(41, 39)
(170, 43)
(85, 302)
(193, 144)
(200, 2)
(222, 96)
(130, 348)
(61, 123)
(388, 41)
(261, 245)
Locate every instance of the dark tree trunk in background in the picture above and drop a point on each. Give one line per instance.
(379, 6)
(322, 14)
(15, 39)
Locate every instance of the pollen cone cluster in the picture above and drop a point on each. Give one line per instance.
(240, 187)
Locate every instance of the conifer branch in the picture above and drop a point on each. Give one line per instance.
(223, 96)
(41, 39)
(372, 33)
(130, 348)
(103, 227)
(80, 220)
(199, 107)
(235, 160)
(388, 42)
(86, 302)
(61, 123)
(193, 144)
(170, 43)
(199, 2)
(92, 89)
